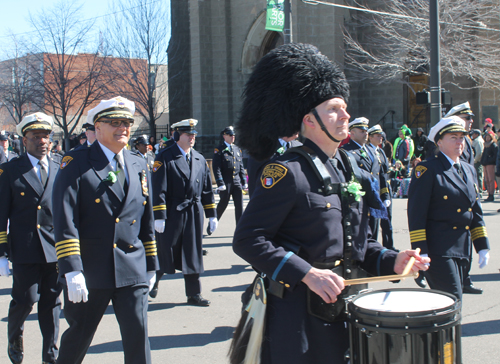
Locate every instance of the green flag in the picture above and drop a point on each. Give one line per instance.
(275, 19)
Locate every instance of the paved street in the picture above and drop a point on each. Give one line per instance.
(194, 335)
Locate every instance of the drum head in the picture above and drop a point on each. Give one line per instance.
(402, 301)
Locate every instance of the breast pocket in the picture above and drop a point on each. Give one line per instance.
(319, 202)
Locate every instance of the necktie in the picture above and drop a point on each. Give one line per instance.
(287, 145)
(367, 150)
(43, 173)
(188, 160)
(121, 171)
(460, 172)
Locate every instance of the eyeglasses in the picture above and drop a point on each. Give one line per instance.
(118, 122)
(468, 117)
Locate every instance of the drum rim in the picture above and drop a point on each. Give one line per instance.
(443, 311)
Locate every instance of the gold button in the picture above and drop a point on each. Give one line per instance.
(145, 202)
(22, 193)
(368, 214)
(287, 285)
(454, 228)
(459, 210)
(130, 246)
(361, 165)
(281, 282)
(466, 228)
(97, 200)
(114, 245)
(117, 220)
(38, 226)
(445, 197)
(39, 207)
(133, 222)
(328, 205)
(469, 209)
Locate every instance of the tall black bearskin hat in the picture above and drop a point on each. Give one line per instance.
(286, 84)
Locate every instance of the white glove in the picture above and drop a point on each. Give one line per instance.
(387, 203)
(213, 223)
(77, 289)
(484, 257)
(151, 279)
(245, 186)
(4, 266)
(160, 226)
(221, 188)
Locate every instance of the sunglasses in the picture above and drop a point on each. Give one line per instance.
(468, 117)
(118, 123)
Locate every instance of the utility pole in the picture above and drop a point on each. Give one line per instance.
(435, 67)
(287, 30)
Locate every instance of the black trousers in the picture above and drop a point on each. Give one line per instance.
(131, 307)
(192, 283)
(446, 274)
(386, 229)
(374, 223)
(36, 283)
(236, 192)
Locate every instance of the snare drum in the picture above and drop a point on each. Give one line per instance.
(405, 326)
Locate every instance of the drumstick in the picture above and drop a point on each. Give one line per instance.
(406, 273)
(393, 277)
(410, 264)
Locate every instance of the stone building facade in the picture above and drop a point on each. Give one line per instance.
(216, 43)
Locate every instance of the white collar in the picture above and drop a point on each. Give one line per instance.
(452, 162)
(34, 161)
(109, 154)
(230, 146)
(182, 151)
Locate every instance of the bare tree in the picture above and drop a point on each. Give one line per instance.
(388, 48)
(139, 34)
(18, 92)
(69, 68)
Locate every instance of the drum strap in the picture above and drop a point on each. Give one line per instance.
(330, 188)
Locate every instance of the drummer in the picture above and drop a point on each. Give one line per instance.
(292, 227)
(444, 213)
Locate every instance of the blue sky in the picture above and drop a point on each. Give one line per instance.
(15, 13)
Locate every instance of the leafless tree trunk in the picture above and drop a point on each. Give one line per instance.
(139, 34)
(388, 48)
(68, 65)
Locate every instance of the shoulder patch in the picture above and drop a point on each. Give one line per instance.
(272, 174)
(419, 171)
(65, 161)
(216, 150)
(157, 165)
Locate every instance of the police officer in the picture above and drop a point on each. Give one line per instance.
(104, 229)
(254, 167)
(370, 161)
(5, 154)
(229, 174)
(464, 112)
(26, 189)
(141, 145)
(292, 228)
(375, 139)
(89, 136)
(444, 213)
(182, 193)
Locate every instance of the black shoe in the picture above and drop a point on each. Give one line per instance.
(197, 300)
(15, 351)
(420, 281)
(204, 251)
(154, 292)
(209, 232)
(473, 289)
(498, 210)
(490, 198)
